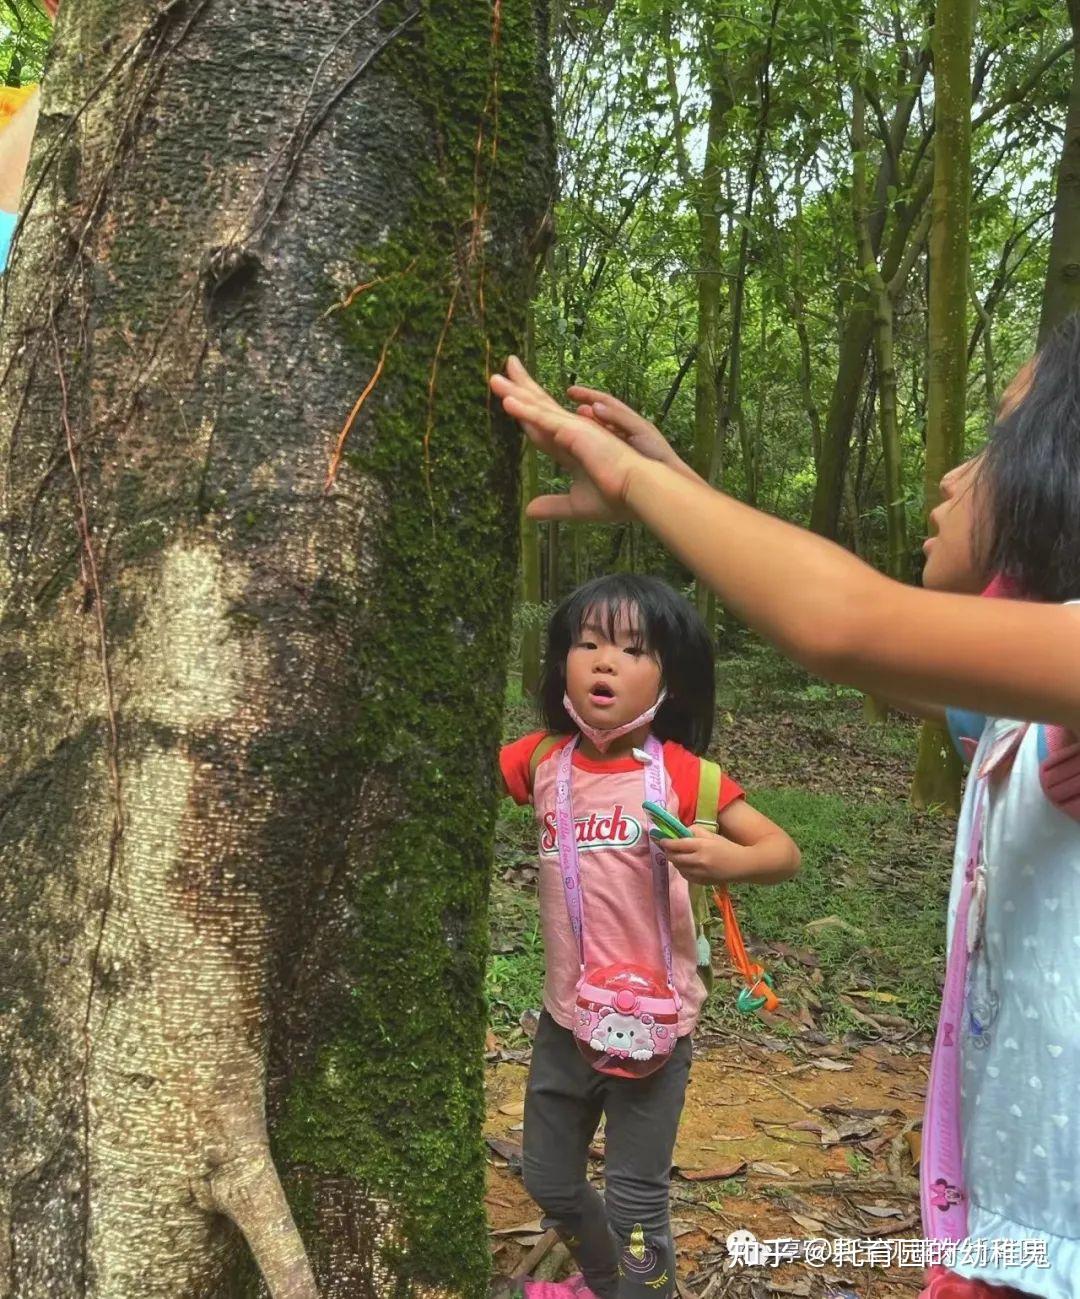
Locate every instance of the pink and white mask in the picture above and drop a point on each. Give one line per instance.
(603, 736)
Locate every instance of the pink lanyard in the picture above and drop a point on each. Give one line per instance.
(944, 1203)
(569, 861)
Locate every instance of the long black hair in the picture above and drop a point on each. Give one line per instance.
(666, 625)
(1031, 473)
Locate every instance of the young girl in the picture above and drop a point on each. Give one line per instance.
(627, 686)
(1007, 1139)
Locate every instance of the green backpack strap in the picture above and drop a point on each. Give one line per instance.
(540, 753)
(708, 798)
(708, 794)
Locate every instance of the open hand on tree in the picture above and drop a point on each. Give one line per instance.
(634, 429)
(601, 456)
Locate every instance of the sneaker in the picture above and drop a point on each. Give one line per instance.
(573, 1287)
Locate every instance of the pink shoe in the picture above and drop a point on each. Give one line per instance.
(573, 1287)
(581, 1290)
(548, 1290)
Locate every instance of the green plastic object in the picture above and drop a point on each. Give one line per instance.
(666, 826)
(747, 1002)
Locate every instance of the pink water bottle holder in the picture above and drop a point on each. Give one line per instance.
(626, 1017)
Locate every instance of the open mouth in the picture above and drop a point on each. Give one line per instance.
(602, 694)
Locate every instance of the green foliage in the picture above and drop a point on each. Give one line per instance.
(25, 33)
(616, 307)
(845, 843)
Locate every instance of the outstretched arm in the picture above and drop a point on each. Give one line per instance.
(819, 604)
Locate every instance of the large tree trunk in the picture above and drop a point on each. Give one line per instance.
(1062, 293)
(253, 629)
(937, 774)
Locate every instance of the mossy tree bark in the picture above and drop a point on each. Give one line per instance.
(254, 636)
(937, 772)
(1062, 293)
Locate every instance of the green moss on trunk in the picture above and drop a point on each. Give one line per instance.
(394, 1099)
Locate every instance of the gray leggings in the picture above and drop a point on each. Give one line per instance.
(622, 1243)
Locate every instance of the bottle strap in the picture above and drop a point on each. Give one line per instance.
(569, 861)
(944, 1205)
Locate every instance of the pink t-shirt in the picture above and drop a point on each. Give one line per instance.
(616, 868)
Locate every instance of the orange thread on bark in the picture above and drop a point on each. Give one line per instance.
(343, 436)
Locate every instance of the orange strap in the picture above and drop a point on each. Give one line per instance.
(751, 972)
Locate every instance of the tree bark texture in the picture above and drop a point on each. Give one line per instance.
(937, 774)
(258, 548)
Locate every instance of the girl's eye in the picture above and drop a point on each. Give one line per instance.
(635, 650)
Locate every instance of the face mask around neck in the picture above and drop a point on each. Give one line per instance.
(603, 737)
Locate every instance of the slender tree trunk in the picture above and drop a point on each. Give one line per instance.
(708, 448)
(885, 358)
(986, 334)
(253, 627)
(554, 587)
(840, 416)
(937, 773)
(857, 332)
(731, 410)
(1062, 293)
(875, 710)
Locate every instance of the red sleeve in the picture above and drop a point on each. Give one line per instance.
(514, 764)
(683, 768)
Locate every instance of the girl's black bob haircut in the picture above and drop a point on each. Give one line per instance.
(668, 627)
(1031, 474)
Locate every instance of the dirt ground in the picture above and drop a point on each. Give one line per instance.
(783, 1143)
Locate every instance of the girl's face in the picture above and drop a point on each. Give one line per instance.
(951, 549)
(610, 682)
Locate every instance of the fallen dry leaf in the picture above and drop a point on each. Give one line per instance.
(836, 1066)
(847, 1130)
(513, 1110)
(774, 1170)
(914, 1145)
(858, 1112)
(812, 1225)
(534, 1228)
(716, 1174)
(880, 1210)
(508, 1150)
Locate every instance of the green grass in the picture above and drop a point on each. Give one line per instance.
(894, 941)
(515, 974)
